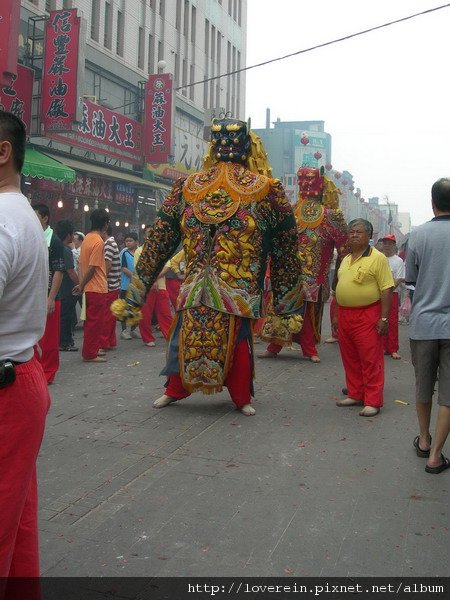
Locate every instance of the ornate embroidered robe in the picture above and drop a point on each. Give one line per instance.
(230, 221)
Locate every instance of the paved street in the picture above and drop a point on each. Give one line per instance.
(302, 489)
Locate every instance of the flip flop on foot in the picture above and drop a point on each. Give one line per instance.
(97, 359)
(268, 354)
(331, 340)
(395, 356)
(349, 402)
(101, 352)
(421, 453)
(445, 464)
(314, 359)
(369, 411)
(248, 410)
(164, 401)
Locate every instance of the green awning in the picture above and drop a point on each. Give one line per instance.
(43, 167)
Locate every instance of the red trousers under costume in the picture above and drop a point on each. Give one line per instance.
(391, 339)
(305, 337)
(47, 349)
(173, 289)
(238, 380)
(362, 352)
(23, 408)
(108, 339)
(157, 302)
(93, 325)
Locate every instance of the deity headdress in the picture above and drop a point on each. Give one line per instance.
(233, 141)
(314, 185)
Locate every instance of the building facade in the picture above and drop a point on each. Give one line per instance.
(124, 42)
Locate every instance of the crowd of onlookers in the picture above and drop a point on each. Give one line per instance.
(88, 272)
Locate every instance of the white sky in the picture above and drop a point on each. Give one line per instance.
(384, 96)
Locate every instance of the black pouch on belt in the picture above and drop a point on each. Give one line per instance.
(7, 373)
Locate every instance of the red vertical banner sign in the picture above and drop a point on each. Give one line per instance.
(159, 111)
(59, 81)
(9, 34)
(18, 96)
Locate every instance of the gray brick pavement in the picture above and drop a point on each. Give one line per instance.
(303, 488)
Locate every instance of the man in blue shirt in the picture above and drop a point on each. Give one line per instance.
(127, 268)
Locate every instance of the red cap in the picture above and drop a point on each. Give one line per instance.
(391, 238)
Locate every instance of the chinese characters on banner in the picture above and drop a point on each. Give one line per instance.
(107, 132)
(59, 81)
(18, 96)
(124, 194)
(9, 32)
(158, 141)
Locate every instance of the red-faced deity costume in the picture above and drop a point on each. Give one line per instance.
(231, 219)
(321, 228)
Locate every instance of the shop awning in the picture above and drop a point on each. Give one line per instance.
(100, 171)
(43, 167)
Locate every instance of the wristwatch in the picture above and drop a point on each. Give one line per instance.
(384, 319)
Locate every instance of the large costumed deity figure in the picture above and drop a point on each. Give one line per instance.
(231, 218)
(321, 228)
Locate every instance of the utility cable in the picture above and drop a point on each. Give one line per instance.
(316, 47)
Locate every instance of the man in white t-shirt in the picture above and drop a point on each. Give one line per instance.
(397, 265)
(24, 398)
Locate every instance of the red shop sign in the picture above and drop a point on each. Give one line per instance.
(18, 97)
(107, 132)
(59, 84)
(159, 107)
(9, 32)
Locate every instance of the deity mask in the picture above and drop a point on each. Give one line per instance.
(310, 183)
(230, 140)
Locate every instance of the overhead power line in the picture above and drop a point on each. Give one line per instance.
(323, 45)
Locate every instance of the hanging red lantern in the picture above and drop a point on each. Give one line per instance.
(305, 140)
(351, 188)
(328, 166)
(317, 155)
(344, 182)
(337, 175)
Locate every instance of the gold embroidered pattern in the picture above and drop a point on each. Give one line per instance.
(309, 214)
(215, 207)
(207, 340)
(240, 184)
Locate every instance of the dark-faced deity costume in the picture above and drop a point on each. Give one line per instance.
(231, 218)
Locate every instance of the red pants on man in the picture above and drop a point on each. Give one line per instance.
(47, 349)
(362, 352)
(238, 380)
(173, 289)
(305, 337)
(391, 339)
(108, 338)
(23, 408)
(93, 325)
(157, 302)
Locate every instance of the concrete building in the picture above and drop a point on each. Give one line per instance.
(404, 219)
(125, 41)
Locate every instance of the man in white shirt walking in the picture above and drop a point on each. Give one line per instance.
(24, 398)
(391, 345)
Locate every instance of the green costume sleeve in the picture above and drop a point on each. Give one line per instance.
(161, 243)
(285, 267)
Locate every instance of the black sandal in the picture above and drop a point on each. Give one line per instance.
(436, 470)
(420, 453)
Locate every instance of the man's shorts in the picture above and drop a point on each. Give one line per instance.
(431, 360)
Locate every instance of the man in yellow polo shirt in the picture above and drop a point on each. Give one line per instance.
(364, 295)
